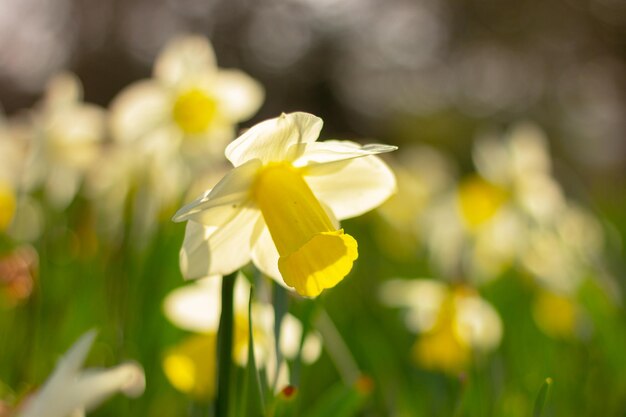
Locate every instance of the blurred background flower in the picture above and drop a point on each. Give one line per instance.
(191, 365)
(453, 323)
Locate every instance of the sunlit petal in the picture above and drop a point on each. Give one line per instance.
(239, 96)
(274, 140)
(356, 186)
(184, 57)
(211, 250)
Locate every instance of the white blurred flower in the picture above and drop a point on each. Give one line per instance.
(66, 135)
(484, 225)
(520, 163)
(562, 255)
(189, 102)
(422, 174)
(167, 131)
(190, 366)
(452, 322)
(20, 215)
(71, 391)
(280, 204)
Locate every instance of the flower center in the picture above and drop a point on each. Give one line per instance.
(190, 366)
(194, 111)
(313, 254)
(479, 200)
(7, 206)
(441, 348)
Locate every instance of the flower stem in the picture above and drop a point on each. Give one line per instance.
(225, 347)
(337, 348)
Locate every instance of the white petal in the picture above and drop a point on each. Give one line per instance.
(195, 307)
(69, 389)
(423, 297)
(184, 57)
(478, 323)
(138, 110)
(94, 386)
(290, 336)
(529, 149)
(353, 187)
(338, 150)
(232, 190)
(265, 257)
(71, 362)
(492, 160)
(239, 95)
(279, 139)
(211, 250)
(50, 399)
(62, 185)
(62, 90)
(76, 134)
(312, 347)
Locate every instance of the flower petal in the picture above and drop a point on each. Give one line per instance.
(352, 187)
(195, 307)
(221, 249)
(278, 139)
(138, 110)
(69, 389)
(239, 96)
(338, 150)
(184, 57)
(231, 191)
(62, 90)
(265, 256)
(423, 298)
(95, 386)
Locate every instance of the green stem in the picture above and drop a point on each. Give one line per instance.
(337, 349)
(280, 299)
(225, 346)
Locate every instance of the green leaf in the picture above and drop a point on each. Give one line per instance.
(542, 398)
(225, 347)
(252, 397)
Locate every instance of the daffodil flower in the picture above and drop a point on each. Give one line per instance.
(279, 206)
(189, 101)
(190, 366)
(452, 322)
(70, 391)
(66, 135)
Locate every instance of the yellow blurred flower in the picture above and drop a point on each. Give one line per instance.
(479, 201)
(557, 315)
(279, 206)
(452, 322)
(190, 366)
(7, 205)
